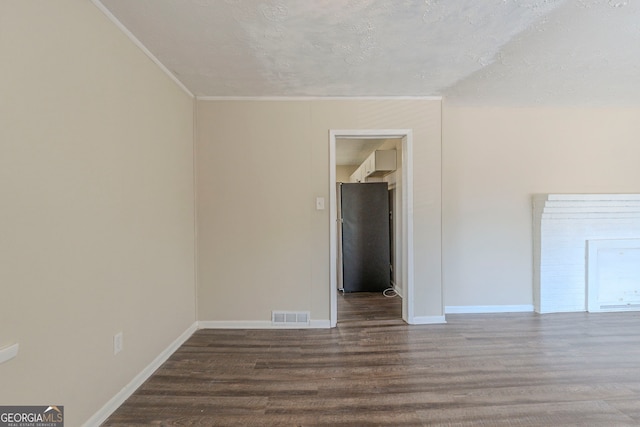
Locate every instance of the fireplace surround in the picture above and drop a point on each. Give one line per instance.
(586, 250)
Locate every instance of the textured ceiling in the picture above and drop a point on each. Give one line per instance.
(514, 51)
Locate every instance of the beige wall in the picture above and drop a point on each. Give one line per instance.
(96, 220)
(494, 159)
(343, 173)
(262, 244)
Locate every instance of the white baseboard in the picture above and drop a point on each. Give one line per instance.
(117, 400)
(480, 309)
(320, 324)
(235, 324)
(259, 324)
(427, 320)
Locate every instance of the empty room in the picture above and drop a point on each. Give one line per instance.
(185, 188)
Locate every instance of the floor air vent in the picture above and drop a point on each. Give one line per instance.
(290, 318)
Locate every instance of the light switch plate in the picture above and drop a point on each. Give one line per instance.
(320, 203)
(117, 343)
(8, 353)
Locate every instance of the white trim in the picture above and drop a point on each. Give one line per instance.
(427, 320)
(194, 160)
(117, 400)
(369, 133)
(320, 324)
(235, 324)
(259, 324)
(333, 233)
(9, 352)
(407, 227)
(478, 309)
(407, 214)
(141, 46)
(319, 98)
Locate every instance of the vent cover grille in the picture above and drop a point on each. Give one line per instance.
(290, 318)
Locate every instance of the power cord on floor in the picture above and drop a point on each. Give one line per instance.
(390, 293)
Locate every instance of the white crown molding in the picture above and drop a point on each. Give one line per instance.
(485, 309)
(319, 98)
(141, 46)
(117, 400)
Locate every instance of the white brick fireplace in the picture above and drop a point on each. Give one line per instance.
(586, 252)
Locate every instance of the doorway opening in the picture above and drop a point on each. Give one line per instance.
(400, 194)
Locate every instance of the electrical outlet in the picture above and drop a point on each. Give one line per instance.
(117, 343)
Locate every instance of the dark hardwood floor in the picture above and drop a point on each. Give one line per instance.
(523, 369)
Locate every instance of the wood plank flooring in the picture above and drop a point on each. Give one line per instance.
(523, 369)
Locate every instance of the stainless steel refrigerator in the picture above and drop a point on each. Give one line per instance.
(363, 230)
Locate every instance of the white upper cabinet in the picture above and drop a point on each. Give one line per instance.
(358, 175)
(380, 163)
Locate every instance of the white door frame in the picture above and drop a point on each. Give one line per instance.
(407, 213)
